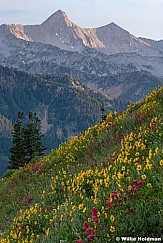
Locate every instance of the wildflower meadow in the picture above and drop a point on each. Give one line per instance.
(104, 183)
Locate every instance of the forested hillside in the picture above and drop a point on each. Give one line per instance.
(104, 183)
(64, 105)
(128, 76)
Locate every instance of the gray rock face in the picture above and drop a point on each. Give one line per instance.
(154, 43)
(59, 31)
(107, 59)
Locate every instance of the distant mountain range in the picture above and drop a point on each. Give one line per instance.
(112, 48)
(59, 31)
(107, 59)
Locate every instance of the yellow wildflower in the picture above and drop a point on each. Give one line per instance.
(149, 185)
(112, 229)
(139, 167)
(47, 232)
(161, 162)
(112, 218)
(143, 177)
(84, 210)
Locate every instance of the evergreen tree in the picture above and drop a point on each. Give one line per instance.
(17, 149)
(26, 143)
(39, 148)
(32, 136)
(102, 109)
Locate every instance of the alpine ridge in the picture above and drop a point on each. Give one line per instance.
(107, 59)
(59, 31)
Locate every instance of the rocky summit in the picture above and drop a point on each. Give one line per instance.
(59, 31)
(107, 59)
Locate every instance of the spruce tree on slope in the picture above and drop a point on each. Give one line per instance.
(32, 136)
(17, 150)
(26, 143)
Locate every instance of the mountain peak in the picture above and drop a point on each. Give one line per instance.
(60, 13)
(113, 25)
(58, 16)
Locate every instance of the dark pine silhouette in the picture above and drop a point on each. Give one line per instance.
(26, 142)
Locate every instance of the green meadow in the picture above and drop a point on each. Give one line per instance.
(107, 182)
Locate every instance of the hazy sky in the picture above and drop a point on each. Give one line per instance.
(139, 17)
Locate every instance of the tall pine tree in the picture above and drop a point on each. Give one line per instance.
(33, 137)
(17, 149)
(26, 143)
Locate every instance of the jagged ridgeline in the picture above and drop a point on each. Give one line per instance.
(104, 183)
(64, 105)
(107, 59)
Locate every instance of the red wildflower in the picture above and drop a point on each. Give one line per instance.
(94, 214)
(140, 183)
(133, 189)
(131, 210)
(108, 203)
(114, 194)
(86, 225)
(79, 241)
(87, 228)
(91, 237)
(120, 202)
(88, 231)
(134, 182)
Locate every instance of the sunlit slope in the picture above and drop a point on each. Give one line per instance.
(105, 183)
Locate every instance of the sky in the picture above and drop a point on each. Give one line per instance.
(140, 17)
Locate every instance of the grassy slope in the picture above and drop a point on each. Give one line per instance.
(104, 183)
